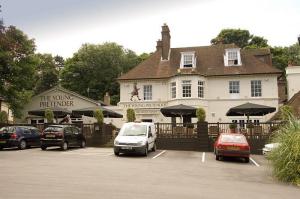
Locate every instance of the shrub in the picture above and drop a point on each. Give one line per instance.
(98, 114)
(285, 158)
(49, 115)
(3, 117)
(130, 115)
(286, 112)
(200, 113)
(232, 126)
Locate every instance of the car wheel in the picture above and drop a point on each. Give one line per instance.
(247, 160)
(116, 153)
(154, 147)
(83, 143)
(22, 145)
(64, 146)
(1, 147)
(217, 157)
(43, 148)
(146, 150)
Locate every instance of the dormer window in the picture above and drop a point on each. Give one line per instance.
(232, 57)
(188, 60)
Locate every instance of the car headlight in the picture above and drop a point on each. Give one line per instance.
(116, 142)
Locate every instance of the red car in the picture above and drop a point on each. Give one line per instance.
(232, 145)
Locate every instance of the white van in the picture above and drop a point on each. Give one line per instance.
(139, 137)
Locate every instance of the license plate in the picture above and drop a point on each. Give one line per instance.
(234, 148)
(126, 147)
(2, 141)
(50, 136)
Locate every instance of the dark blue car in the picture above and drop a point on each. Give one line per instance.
(19, 136)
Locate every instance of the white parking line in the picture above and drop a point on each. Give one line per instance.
(254, 162)
(159, 154)
(203, 157)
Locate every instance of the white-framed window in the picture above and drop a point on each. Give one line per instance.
(188, 60)
(173, 90)
(256, 122)
(147, 92)
(201, 89)
(232, 57)
(186, 88)
(256, 90)
(234, 87)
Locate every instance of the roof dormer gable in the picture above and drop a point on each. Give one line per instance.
(232, 57)
(188, 60)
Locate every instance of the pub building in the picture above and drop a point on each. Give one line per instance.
(64, 103)
(216, 78)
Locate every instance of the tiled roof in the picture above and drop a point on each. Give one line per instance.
(209, 62)
(294, 103)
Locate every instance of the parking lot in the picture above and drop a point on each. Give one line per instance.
(97, 173)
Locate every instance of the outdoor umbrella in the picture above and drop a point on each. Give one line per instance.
(250, 109)
(178, 111)
(57, 111)
(89, 111)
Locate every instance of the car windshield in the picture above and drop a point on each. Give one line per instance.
(8, 129)
(233, 138)
(53, 129)
(134, 130)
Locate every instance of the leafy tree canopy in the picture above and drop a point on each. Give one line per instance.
(17, 67)
(241, 38)
(47, 72)
(93, 70)
(282, 56)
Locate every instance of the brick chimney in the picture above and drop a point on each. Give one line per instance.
(158, 45)
(107, 99)
(166, 42)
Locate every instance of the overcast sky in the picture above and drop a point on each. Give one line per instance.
(62, 26)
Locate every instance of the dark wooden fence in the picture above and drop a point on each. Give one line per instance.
(201, 136)
(193, 136)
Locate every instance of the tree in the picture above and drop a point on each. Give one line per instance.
(93, 70)
(98, 114)
(282, 56)
(130, 115)
(200, 113)
(17, 67)
(257, 42)
(241, 38)
(59, 62)
(47, 74)
(49, 115)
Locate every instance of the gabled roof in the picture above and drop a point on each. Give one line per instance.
(294, 102)
(59, 88)
(209, 62)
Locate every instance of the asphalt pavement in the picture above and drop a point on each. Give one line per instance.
(98, 173)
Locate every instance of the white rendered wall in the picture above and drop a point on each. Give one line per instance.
(293, 80)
